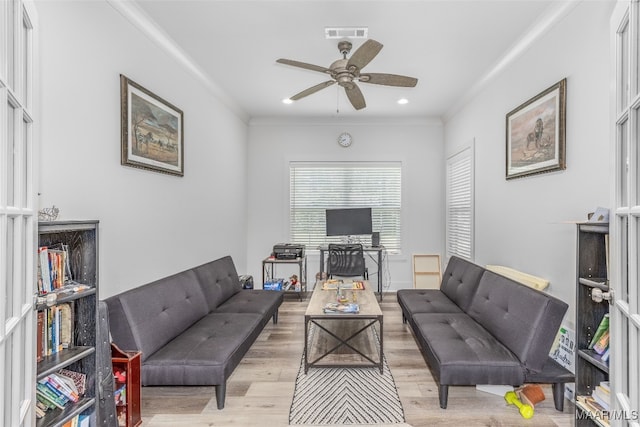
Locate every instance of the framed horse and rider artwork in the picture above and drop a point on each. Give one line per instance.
(151, 130)
(536, 134)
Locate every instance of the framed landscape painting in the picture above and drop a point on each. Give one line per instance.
(536, 134)
(152, 130)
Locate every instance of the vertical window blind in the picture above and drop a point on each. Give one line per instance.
(317, 186)
(460, 210)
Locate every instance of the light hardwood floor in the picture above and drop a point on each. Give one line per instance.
(260, 391)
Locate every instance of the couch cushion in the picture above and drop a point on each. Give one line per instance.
(460, 281)
(460, 352)
(425, 301)
(523, 319)
(206, 353)
(219, 281)
(252, 301)
(148, 317)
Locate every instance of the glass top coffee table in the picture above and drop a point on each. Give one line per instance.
(343, 339)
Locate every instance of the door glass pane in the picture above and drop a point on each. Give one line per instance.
(8, 278)
(623, 261)
(8, 382)
(24, 265)
(26, 169)
(623, 71)
(26, 62)
(623, 386)
(623, 165)
(10, 43)
(11, 111)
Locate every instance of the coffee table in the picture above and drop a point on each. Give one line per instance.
(348, 340)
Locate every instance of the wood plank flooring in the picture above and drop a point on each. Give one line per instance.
(260, 391)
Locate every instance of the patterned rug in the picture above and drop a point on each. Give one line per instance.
(327, 396)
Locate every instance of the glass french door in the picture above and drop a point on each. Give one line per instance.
(625, 215)
(18, 213)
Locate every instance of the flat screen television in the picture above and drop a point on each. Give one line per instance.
(348, 222)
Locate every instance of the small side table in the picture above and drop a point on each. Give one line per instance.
(269, 271)
(126, 373)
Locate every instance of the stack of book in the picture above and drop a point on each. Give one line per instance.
(53, 268)
(600, 340)
(598, 404)
(57, 389)
(55, 330)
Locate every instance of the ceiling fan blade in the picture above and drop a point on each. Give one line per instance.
(312, 90)
(304, 65)
(364, 54)
(388, 79)
(355, 97)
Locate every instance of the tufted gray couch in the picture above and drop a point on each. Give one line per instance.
(193, 327)
(483, 328)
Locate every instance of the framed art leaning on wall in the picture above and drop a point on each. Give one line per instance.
(536, 134)
(152, 130)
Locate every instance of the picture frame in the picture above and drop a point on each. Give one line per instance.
(152, 130)
(535, 134)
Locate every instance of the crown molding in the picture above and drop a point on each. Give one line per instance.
(345, 121)
(139, 18)
(556, 11)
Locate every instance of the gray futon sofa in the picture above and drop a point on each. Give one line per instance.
(483, 328)
(193, 327)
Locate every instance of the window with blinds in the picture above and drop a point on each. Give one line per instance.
(315, 187)
(460, 214)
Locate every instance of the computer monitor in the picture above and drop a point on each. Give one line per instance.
(348, 222)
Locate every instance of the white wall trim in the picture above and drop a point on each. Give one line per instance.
(134, 14)
(551, 16)
(347, 121)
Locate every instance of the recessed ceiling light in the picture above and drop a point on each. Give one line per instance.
(403, 101)
(287, 101)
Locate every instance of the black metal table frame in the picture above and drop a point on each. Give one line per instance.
(342, 341)
(269, 271)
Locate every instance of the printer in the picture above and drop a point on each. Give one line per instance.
(288, 251)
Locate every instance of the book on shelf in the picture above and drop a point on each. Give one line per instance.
(603, 344)
(336, 307)
(597, 411)
(605, 356)
(601, 395)
(78, 378)
(55, 329)
(602, 328)
(48, 395)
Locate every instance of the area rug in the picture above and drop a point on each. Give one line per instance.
(325, 396)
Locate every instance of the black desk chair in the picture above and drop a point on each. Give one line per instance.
(346, 261)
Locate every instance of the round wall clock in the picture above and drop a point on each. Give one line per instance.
(345, 139)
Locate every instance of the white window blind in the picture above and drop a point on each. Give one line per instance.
(315, 187)
(460, 212)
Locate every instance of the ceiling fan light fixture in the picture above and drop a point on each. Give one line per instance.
(346, 32)
(287, 101)
(403, 101)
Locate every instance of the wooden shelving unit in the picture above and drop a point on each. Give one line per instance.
(126, 371)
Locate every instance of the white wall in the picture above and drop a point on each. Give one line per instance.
(417, 143)
(522, 223)
(151, 224)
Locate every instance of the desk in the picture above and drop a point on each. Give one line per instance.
(269, 271)
(378, 250)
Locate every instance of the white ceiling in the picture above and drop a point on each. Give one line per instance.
(452, 47)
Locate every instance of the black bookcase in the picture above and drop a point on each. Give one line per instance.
(81, 237)
(592, 274)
